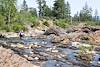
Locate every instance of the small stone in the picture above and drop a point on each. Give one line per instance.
(57, 65)
(99, 62)
(30, 46)
(69, 63)
(59, 56)
(55, 51)
(20, 46)
(48, 49)
(36, 58)
(26, 56)
(13, 45)
(36, 43)
(29, 58)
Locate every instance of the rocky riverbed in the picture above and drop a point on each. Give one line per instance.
(73, 47)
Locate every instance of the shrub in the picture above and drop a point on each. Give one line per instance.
(93, 23)
(18, 27)
(62, 23)
(7, 28)
(84, 55)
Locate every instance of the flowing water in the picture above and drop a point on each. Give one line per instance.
(50, 55)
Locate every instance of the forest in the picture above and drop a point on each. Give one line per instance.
(13, 19)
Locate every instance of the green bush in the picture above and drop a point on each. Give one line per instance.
(18, 27)
(36, 23)
(6, 28)
(62, 23)
(91, 23)
(1, 20)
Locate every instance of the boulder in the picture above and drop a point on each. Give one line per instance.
(54, 30)
(60, 39)
(96, 37)
(9, 59)
(2, 36)
(97, 49)
(86, 29)
(70, 30)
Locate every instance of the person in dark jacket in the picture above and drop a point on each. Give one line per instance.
(21, 34)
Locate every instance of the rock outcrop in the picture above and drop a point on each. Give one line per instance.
(9, 59)
(60, 39)
(54, 30)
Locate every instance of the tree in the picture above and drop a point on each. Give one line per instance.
(43, 7)
(8, 10)
(59, 9)
(96, 18)
(40, 8)
(86, 13)
(67, 11)
(76, 17)
(33, 11)
(47, 12)
(24, 6)
(44, 10)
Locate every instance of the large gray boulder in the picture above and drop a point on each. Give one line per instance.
(54, 30)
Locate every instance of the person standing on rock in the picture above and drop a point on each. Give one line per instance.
(21, 34)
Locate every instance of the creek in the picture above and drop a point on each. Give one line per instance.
(49, 54)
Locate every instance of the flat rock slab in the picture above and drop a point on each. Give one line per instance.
(9, 59)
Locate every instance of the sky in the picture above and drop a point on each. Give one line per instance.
(76, 5)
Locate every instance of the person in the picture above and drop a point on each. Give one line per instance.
(21, 34)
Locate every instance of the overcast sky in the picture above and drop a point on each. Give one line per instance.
(76, 5)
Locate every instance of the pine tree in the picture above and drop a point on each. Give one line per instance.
(86, 13)
(76, 17)
(44, 10)
(47, 12)
(67, 11)
(96, 18)
(59, 9)
(43, 7)
(24, 6)
(40, 8)
(33, 11)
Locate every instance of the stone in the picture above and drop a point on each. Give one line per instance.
(25, 56)
(97, 48)
(60, 39)
(9, 59)
(95, 37)
(13, 45)
(36, 58)
(75, 43)
(30, 59)
(55, 51)
(20, 46)
(56, 39)
(2, 36)
(54, 30)
(34, 46)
